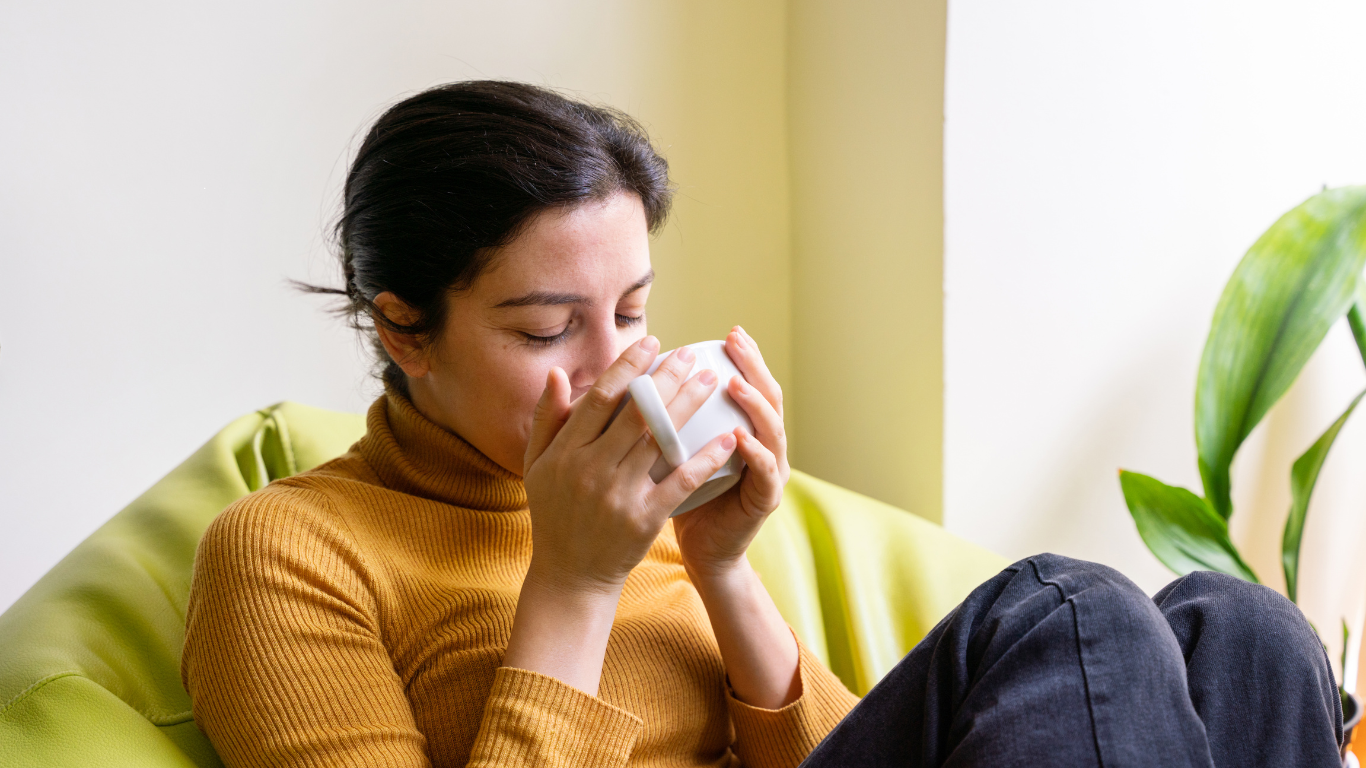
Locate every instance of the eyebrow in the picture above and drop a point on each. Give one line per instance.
(552, 299)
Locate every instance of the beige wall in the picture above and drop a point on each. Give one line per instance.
(806, 141)
(822, 120)
(714, 101)
(866, 96)
(176, 165)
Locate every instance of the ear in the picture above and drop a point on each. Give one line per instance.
(405, 349)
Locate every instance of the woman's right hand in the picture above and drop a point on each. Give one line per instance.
(594, 509)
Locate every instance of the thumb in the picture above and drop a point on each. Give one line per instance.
(552, 410)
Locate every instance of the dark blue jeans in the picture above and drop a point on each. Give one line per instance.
(1060, 662)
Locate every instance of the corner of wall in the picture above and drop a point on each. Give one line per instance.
(865, 96)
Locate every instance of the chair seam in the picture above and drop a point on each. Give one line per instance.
(166, 721)
(34, 688)
(174, 718)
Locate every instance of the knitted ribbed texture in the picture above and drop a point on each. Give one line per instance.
(357, 614)
(531, 719)
(775, 738)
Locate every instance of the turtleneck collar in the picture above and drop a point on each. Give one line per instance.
(413, 455)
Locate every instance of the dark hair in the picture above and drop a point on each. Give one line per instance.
(445, 177)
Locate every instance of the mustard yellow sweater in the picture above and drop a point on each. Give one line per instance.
(357, 614)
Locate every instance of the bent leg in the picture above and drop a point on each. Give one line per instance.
(1258, 675)
(1054, 662)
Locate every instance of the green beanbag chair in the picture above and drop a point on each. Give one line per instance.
(90, 656)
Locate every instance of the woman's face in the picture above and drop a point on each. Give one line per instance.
(569, 291)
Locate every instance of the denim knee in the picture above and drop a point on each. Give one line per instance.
(1114, 591)
(1223, 587)
(1110, 608)
(1205, 603)
(1248, 649)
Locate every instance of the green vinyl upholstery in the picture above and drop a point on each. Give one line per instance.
(90, 656)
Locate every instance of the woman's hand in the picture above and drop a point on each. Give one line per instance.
(758, 649)
(594, 509)
(714, 537)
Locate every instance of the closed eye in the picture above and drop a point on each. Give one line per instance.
(536, 340)
(545, 341)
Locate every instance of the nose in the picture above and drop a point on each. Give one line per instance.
(601, 345)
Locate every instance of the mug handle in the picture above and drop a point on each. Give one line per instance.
(651, 405)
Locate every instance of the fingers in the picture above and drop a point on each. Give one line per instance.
(625, 432)
(552, 410)
(666, 496)
(690, 397)
(768, 422)
(673, 372)
(765, 475)
(596, 406)
(744, 352)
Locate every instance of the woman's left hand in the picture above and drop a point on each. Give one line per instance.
(713, 538)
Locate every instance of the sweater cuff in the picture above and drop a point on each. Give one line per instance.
(781, 738)
(533, 719)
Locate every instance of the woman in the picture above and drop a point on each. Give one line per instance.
(490, 577)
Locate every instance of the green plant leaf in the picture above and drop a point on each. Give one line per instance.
(1297, 279)
(1303, 475)
(1181, 528)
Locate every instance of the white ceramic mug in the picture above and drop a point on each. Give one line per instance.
(717, 416)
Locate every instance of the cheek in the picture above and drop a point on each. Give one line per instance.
(497, 388)
(619, 337)
(522, 382)
(630, 335)
(528, 392)
(520, 389)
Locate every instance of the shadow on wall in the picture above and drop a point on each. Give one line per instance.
(1073, 515)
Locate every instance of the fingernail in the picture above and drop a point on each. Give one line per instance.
(686, 354)
(650, 343)
(707, 377)
(728, 443)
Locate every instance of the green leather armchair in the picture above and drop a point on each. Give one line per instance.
(90, 656)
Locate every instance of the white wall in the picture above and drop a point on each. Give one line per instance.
(1106, 166)
(165, 167)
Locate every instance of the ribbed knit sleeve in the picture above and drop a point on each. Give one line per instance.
(283, 658)
(535, 720)
(782, 738)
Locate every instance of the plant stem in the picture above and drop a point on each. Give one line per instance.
(1358, 324)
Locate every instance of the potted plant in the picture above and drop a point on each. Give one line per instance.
(1301, 276)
